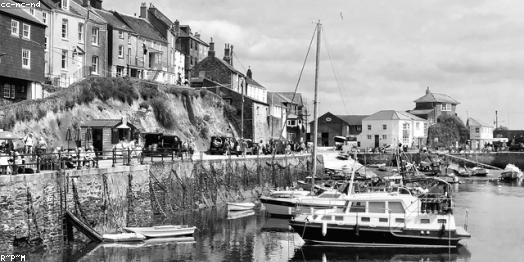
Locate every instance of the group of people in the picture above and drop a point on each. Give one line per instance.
(232, 146)
(15, 155)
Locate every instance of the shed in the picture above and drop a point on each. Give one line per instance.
(103, 134)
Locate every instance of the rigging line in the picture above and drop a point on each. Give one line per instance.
(237, 59)
(304, 64)
(334, 73)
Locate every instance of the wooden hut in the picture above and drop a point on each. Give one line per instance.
(103, 134)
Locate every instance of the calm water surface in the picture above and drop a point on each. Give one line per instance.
(496, 222)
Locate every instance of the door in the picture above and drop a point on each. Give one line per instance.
(98, 139)
(377, 142)
(325, 139)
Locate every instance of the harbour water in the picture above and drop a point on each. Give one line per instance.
(494, 219)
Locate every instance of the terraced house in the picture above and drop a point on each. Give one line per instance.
(21, 55)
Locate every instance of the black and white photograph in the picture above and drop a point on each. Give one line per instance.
(277, 130)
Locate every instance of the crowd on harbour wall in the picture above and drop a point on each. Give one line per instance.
(33, 205)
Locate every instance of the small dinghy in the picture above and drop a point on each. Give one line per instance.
(240, 206)
(239, 214)
(123, 237)
(163, 231)
(511, 173)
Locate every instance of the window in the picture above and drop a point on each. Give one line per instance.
(80, 32)
(64, 4)
(425, 125)
(369, 137)
(359, 128)
(15, 27)
(446, 107)
(64, 59)
(442, 221)
(327, 217)
(120, 34)
(339, 218)
(44, 17)
(26, 31)
(64, 28)
(32, 11)
(384, 137)
(94, 35)
(384, 127)
(417, 125)
(119, 71)
(424, 221)
(121, 51)
(396, 208)
(46, 43)
(94, 65)
(9, 91)
(128, 55)
(382, 220)
(377, 207)
(291, 122)
(357, 207)
(26, 58)
(369, 127)
(399, 220)
(477, 130)
(365, 219)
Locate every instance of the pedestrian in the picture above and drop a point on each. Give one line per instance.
(42, 146)
(28, 143)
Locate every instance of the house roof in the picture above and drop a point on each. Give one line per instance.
(20, 13)
(104, 123)
(184, 33)
(420, 111)
(112, 20)
(474, 122)
(297, 97)
(78, 9)
(251, 81)
(142, 27)
(276, 98)
(431, 97)
(392, 115)
(352, 120)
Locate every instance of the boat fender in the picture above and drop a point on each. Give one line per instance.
(442, 230)
(324, 228)
(357, 229)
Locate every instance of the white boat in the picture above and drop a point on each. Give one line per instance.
(123, 237)
(239, 214)
(240, 206)
(384, 220)
(511, 173)
(163, 231)
(287, 206)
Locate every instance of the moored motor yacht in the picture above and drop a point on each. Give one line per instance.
(384, 220)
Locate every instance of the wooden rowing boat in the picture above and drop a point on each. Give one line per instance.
(240, 206)
(163, 231)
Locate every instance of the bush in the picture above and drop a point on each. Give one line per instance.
(163, 114)
(203, 92)
(207, 117)
(204, 132)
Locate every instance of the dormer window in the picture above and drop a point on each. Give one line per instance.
(65, 4)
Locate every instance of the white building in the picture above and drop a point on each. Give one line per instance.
(390, 127)
(479, 133)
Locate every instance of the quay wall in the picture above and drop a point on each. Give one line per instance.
(32, 205)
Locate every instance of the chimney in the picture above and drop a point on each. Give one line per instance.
(227, 57)
(249, 73)
(197, 35)
(177, 27)
(427, 91)
(211, 52)
(231, 54)
(143, 10)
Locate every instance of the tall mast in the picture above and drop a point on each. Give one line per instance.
(315, 109)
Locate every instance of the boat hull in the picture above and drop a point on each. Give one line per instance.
(151, 232)
(510, 176)
(240, 206)
(375, 237)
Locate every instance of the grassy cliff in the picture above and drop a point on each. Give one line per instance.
(448, 131)
(151, 107)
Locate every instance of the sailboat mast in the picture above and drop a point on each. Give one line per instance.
(315, 109)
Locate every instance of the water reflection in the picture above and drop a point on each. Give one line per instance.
(323, 253)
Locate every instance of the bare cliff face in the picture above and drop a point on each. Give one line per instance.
(181, 111)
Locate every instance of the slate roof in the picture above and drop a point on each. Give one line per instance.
(352, 120)
(20, 13)
(420, 111)
(392, 115)
(183, 33)
(78, 9)
(276, 98)
(113, 20)
(431, 97)
(251, 81)
(104, 123)
(475, 122)
(289, 95)
(142, 27)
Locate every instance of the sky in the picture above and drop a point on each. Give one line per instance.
(375, 54)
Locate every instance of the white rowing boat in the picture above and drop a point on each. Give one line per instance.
(123, 237)
(240, 206)
(163, 231)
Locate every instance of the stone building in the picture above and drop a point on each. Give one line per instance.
(219, 76)
(22, 38)
(432, 105)
(193, 48)
(390, 127)
(330, 126)
(296, 118)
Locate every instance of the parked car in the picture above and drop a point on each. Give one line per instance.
(156, 144)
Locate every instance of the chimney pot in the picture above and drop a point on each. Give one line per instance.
(211, 52)
(143, 10)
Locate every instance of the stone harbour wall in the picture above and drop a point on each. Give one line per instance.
(32, 206)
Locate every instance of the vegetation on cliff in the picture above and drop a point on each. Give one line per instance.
(447, 131)
(183, 111)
